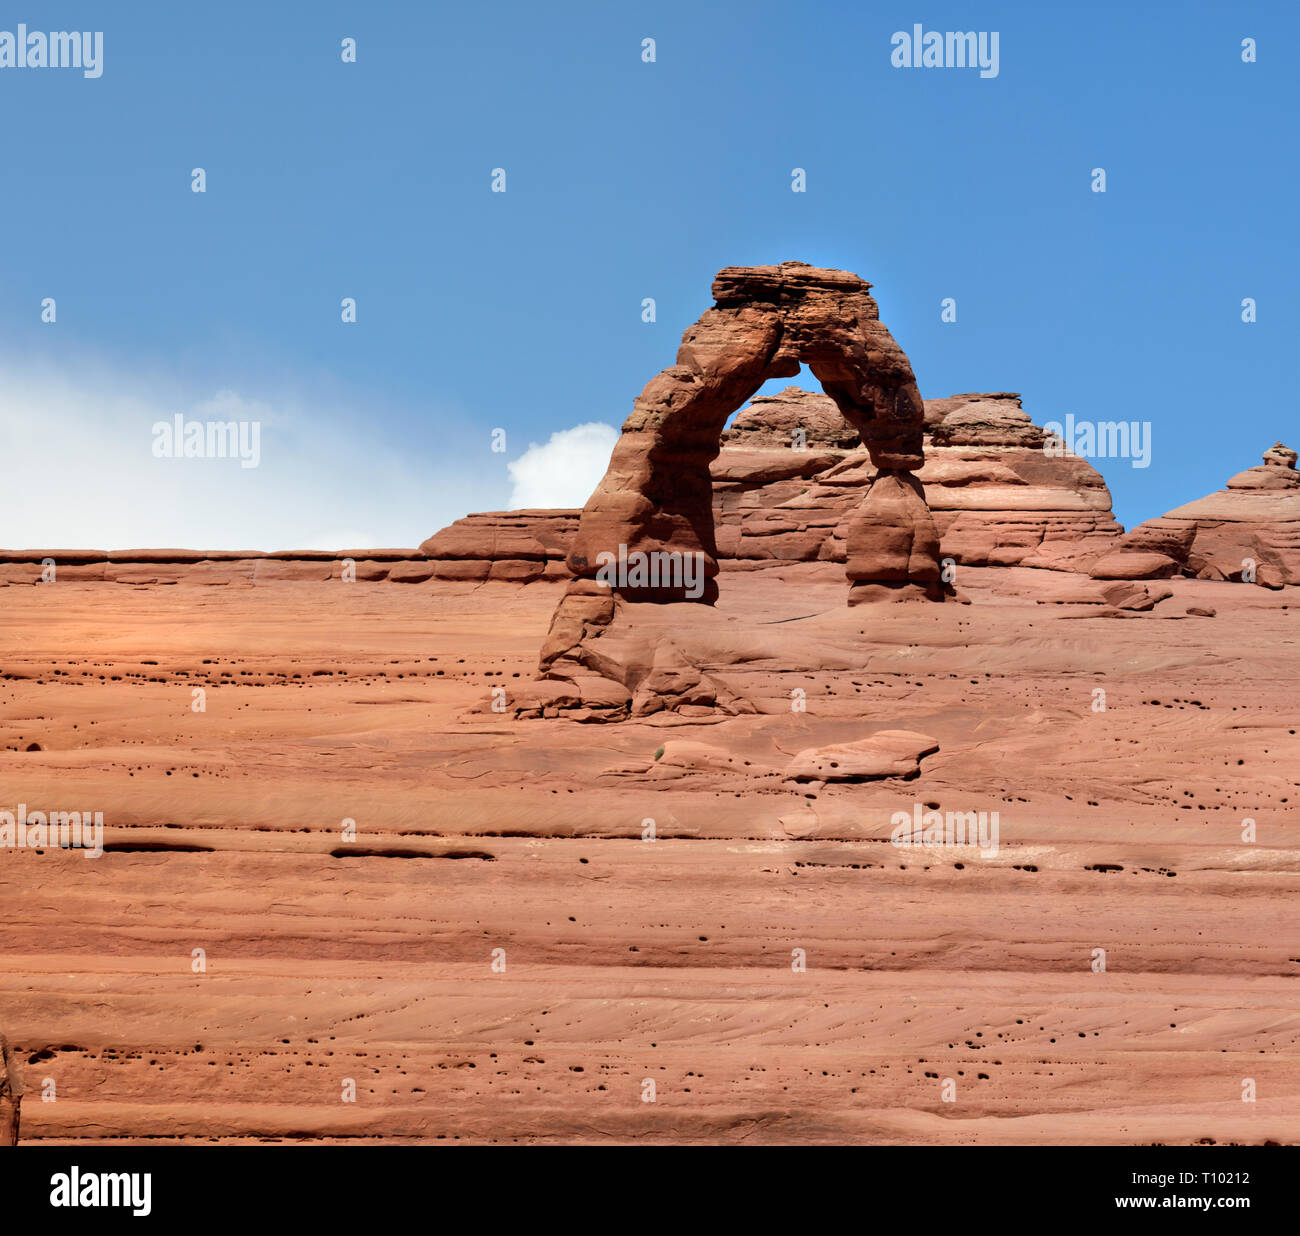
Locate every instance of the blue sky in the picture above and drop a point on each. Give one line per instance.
(522, 310)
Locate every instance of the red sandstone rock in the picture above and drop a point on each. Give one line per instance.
(585, 606)
(994, 496)
(148, 567)
(656, 498)
(505, 534)
(264, 571)
(1133, 564)
(889, 753)
(473, 570)
(657, 495)
(997, 498)
(1128, 595)
(378, 965)
(891, 536)
(411, 572)
(796, 420)
(10, 1097)
(682, 757)
(1253, 524)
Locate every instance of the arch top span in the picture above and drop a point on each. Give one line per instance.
(828, 320)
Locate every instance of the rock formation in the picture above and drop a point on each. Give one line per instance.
(995, 497)
(657, 494)
(791, 471)
(887, 753)
(216, 567)
(516, 545)
(1251, 527)
(656, 498)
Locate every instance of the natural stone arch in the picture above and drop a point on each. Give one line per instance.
(657, 494)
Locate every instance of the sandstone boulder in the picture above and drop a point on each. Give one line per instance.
(889, 753)
(1129, 595)
(1133, 564)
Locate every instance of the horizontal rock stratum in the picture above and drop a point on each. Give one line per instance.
(145, 567)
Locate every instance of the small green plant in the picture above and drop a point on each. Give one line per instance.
(659, 753)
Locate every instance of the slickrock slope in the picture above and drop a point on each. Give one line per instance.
(1255, 521)
(792, 470)
(754, 946)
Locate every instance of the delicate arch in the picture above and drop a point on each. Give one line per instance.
(657, 494)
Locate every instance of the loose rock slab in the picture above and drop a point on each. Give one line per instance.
(890, 753)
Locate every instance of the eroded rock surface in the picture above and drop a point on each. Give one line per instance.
(655, 501)
(657, 494)
(888, 753)
(477, 830)
(1250, 527)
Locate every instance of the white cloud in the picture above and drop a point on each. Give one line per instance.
(564, 472)
(81, 471)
